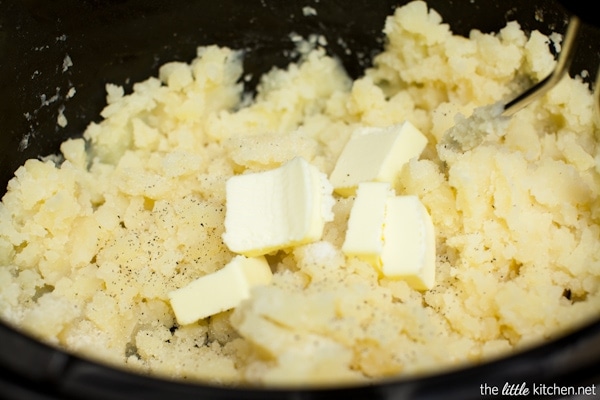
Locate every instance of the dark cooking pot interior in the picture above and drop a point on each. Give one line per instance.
(124, 41)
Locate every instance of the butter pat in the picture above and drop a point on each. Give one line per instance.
(394, 234)
(364, 236)
(376, 154)
(277, 209)
(409, 242)
(221, 290)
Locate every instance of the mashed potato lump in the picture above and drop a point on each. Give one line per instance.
(93, 240)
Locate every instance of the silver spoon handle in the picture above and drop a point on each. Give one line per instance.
(565, 58)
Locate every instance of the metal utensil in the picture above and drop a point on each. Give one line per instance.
(580, 12)
(565, 58)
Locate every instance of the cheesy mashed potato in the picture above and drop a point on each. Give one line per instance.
(92, 241)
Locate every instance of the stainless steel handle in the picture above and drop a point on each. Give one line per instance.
(565, 58)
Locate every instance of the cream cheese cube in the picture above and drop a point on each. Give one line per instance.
(364, 236)
(376, 154)
(220, 291)
(277, 209)
(409, 242)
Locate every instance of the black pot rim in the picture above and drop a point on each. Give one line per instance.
(571, 360)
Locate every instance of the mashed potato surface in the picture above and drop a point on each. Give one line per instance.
(92, 242)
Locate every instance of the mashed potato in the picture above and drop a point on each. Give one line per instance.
(92, 241)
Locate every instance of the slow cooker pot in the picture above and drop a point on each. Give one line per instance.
(124, 41)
